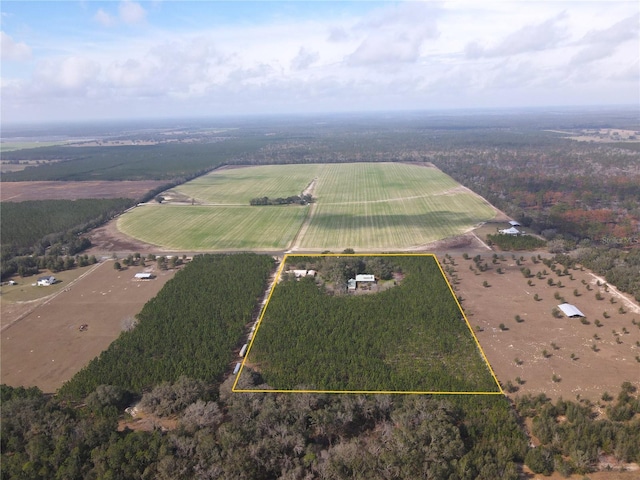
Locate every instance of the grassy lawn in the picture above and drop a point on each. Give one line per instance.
(214, 228)
(371, 206)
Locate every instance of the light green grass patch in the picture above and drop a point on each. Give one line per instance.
(214, 228)
(239, 185)
(389, 206)
(13, 146)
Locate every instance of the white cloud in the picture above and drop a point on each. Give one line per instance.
(395, 35)
(70, 75)
(12, 50)
(627, 29)
(304, 59)
(600, 44)
(530, 38)
(131, 12)
(104, 19)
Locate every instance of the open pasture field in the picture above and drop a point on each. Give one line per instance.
(587, 359)
(408, 336)
(239, 185)
(208, 228)
(46, 348)
(20, 191)
(366, 206)
(393, 224)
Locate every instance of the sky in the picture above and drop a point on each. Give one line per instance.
(90, 60)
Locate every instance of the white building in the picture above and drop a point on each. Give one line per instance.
(46, 281)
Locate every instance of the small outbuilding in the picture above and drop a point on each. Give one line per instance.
(570, 311)
(46, 281)
(351, 284)
(143, 276)
(513, 223)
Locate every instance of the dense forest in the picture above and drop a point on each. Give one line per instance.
(220, 435)
(129, 162)
(47, 234)
(190, 328)
(410, 337)
(25, 224)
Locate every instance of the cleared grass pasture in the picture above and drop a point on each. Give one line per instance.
(240, 185)
(402, 223)
(366, 206)
(389, 206)
(214, 228)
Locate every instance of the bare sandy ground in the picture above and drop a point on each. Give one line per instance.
(589, 373)
(21, 191)
(46, 348)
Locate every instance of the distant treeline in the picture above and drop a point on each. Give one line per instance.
(294, 199)
(190, 328)
(130, 162)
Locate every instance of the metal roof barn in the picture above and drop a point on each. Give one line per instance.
(570, 311)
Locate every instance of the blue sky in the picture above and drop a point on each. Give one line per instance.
(75, 60)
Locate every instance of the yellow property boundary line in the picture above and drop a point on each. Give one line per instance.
(393, 392)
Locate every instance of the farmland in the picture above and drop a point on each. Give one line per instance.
(206, 228)
(379, 206)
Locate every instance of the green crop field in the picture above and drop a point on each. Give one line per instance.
(240, 185)
(201, 228)
(366, 206)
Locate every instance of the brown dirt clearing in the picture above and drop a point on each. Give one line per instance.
(21, 191)
(46, 348)
(590, 373)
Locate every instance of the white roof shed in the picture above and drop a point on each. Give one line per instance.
(365, 277)
(570, 311)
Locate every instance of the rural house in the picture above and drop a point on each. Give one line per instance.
(362, 280)
(46, 281)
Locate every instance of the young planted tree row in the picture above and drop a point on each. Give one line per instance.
(190, 328)
(407, 338)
